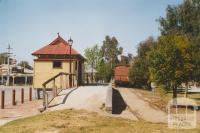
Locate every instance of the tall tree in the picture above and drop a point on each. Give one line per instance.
(182, 19)
(111, 50)
(93, 56)
(139, 73)
(170, 62)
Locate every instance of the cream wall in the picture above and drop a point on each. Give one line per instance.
(43, 70)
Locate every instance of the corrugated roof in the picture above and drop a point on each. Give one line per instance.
(59, 46)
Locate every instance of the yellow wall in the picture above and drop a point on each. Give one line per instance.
(43, 70)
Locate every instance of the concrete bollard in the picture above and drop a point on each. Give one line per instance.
(13, 98)
(30, 94)
(2, 99)
(22, 95)
(108, 104)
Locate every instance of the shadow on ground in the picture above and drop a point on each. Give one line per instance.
(65, 98)
(117, 102)
(96, 84)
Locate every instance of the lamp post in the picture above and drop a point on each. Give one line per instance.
(70, 41)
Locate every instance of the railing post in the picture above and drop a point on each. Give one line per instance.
(22, 95)
(72, 80)
(2, 99)
(30, 94)
(44, 97)
(54, 88)
(13, 98)
(46, 100)
(61, 81)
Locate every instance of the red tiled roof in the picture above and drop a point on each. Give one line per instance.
(58, 46)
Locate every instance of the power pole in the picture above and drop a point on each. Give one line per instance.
(8, 62)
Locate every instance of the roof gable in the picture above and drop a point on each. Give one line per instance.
(58, 46)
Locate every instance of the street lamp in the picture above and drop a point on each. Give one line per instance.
(70, 41)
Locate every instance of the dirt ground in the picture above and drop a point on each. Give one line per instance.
(10, 113)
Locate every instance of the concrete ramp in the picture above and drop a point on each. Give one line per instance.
(84, 97)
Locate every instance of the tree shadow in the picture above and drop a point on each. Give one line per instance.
(118, 104)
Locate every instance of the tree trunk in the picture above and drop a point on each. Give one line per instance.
(92, 71)
(174, 91)
(174, 94)
(186, 89)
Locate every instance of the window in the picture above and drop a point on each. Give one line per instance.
(57, 64)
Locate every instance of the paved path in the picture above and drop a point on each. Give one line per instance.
(83, 97)
(141, 108)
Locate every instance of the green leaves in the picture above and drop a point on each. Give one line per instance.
(182, 19)
(139, 70)
(104, 59)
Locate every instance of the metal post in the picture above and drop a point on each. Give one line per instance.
(13, 98)
(70, 67)
(30, 94)
(22, 95)
(8, 62)
(2, 99)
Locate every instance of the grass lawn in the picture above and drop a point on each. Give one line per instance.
(75, 121)
(161, 100)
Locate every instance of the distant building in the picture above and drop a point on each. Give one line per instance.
(90, 75)
(55, 58)
(18, 75)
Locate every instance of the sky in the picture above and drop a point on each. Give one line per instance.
(28, 25)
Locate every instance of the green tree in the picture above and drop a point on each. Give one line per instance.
(93, 56)
(182, 19)
(25, 64)
(111, 50)
(170, 62)
(139, 72)
(195, 56)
